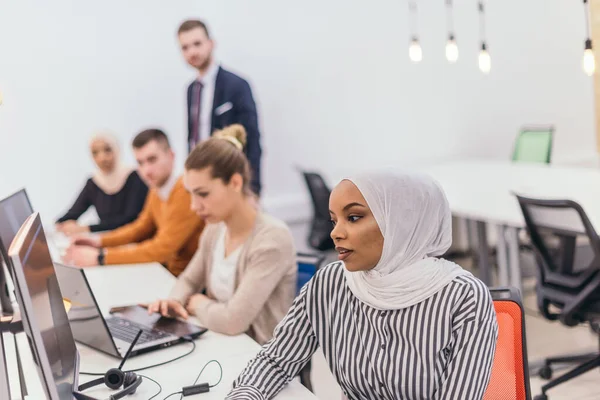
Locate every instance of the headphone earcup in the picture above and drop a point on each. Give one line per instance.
(130, 378)
(114, 378)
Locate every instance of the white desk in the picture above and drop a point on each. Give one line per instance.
(483, 190)
(123, 285)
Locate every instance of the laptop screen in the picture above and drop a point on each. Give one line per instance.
(43, 310)
(87, 323)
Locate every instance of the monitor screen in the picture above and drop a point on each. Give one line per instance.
(43, 310)
(14, 210)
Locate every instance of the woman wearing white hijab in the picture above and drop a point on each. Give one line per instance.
(393, 321)
(115, 190)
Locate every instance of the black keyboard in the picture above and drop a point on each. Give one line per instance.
(127, 330)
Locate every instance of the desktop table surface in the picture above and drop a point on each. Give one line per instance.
(133, 284)
(484, 189)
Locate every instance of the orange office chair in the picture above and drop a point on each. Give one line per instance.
(510, 374)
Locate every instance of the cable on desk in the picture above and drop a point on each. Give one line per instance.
(206, 385)
(150, 366)
(206, 365)
(171, 395)
(158, 384)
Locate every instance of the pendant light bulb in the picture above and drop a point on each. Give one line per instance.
(415, 53)
(485, 61)
(589, 61)
(451, 50)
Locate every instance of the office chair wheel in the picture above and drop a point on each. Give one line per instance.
(545, 372)
(541, 397)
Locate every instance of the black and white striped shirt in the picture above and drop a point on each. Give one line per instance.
(441, 348)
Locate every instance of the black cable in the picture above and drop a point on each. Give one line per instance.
(202, 370)
(412, 8)
(481, 21)
(151, 366)
(158, 384)
(206, 365)
(172, 394)
(449, 17)
(586, 11)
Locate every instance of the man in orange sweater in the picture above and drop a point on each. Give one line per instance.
(166, 231)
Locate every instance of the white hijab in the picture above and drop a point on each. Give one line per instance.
(413, 215)
(114, 181)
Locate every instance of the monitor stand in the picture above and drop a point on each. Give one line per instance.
(11, 324)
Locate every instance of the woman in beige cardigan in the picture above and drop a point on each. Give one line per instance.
(246, 259)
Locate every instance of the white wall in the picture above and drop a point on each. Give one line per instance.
(335, 89)
(68, 68)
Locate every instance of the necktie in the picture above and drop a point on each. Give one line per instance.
(196, 106)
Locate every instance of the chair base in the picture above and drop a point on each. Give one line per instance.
(545, 372)
(588, 365)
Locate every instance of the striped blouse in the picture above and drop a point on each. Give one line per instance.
(441, 348)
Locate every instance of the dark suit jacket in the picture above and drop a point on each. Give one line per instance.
(230, 88)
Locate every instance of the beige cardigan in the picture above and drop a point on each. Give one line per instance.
(265, 281)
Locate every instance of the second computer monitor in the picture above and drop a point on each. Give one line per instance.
(14, 210)
(43, 311)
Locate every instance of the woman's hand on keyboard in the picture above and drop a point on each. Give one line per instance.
(168, 308)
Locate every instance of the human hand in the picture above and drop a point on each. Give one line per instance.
(86, 240)
(70, 228)
(168, 308)
(81, 256)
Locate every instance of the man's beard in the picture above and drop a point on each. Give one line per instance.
(204, 66)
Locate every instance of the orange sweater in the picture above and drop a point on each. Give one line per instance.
(165, 232)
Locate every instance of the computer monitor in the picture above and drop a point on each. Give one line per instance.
(14, 210)
(4, 380)
(43, 311)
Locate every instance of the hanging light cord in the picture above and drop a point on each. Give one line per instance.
(482, 22)
(412, 8)
(586, 9)
(449, 18)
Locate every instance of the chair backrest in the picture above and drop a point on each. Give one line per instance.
(319, 193)
(308, 265)
(510, 371)
(534, 145)
(566, 244)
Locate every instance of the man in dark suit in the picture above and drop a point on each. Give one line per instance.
(217, 98)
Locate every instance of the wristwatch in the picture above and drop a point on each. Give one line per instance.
(101, 257)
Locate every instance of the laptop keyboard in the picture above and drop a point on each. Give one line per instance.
(127, 330)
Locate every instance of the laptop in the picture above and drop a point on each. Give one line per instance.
(43, 312)
(113, 335)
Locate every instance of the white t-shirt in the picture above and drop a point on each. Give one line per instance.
(222, 275)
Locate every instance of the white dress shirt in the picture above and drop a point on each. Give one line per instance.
(165, 190)
(209, 81)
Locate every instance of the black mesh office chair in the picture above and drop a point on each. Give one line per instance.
(567, 250)
(320, 229)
